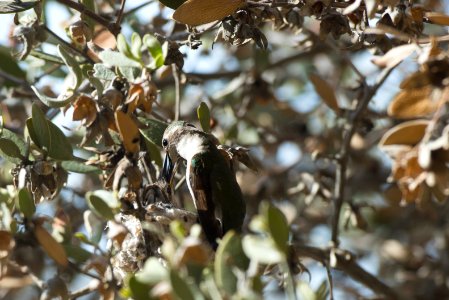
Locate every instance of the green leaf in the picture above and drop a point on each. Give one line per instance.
(90, 5)
(262, 249)
(203, 113)
(88, 71)
(278, 227)
(19, 142)
(60, 147)
(173, 4)
(136, 45)
(157, 51)
(10, 149)
(101, 71)
(79, 167)
(123, 47)
(139, 290)
(116, 59)
(79, 254)
(153, 151)
(41, 130)
(99, 206)
(26, 203)
(152, 272)
(228, 256)
(181, 288)
(10, 66)
(14, 6)
(154, 131)
(67, 96)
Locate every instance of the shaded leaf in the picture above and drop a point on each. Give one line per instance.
(60, 147)
(101, 71)
(181, 288)
(50, 245)
(41, 131)
(139, 290)
(278, 227)
(19, 142)
(154, 131)
(204, 116)
(79, 167)
(80, 255)
(10, 66)
(197, 12)
(174, 4)
(99, 207)
(10, 150)
(152, 272)
(228, 256)
(26, 203)
(325, 91)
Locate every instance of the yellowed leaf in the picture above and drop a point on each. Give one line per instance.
(129, 132)
(412, 103)
(197, 12)
(408, 133)
(438, 18)
(50, 245)
(325, 91)
(394, 56)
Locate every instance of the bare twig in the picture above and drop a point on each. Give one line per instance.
(343, 155)
(67, 44)
(118, 21)
(83, 291)
(177, 91)
(347, 263)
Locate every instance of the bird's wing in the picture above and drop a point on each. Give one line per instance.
(201, 187)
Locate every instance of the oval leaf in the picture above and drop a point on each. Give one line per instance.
(278, 227)
(438, 18)
(50, 245)
(19, 142)
(26, 203)
(408, 133)
(197, 12)
(412, 103)
(129, 132)
(180, 287)
(325, 91)
(10, 150)
(154, 131)
(174, 4)
(60, 147)
(79, 167)
(261, 249)
(41, 131)
(394, 56)
(99, 207)
(204, 116)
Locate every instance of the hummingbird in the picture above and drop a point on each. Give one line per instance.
(210, 179)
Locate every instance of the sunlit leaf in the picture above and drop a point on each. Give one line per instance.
(152, 272)
(136, 45)
(395, 55)
(412, 103)
(100, 207)
(407, 133)
(101, 71)
(154, 131)
(129, 132)
(123, 46)
(278, 227)
(117, 59)
(197, 12)
(262, 249)
(438, 18)
(157, 51)
(50, 245)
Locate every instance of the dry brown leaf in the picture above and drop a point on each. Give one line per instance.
(197, 12)
(352, 7)
(394, 56)
(438, 18)
(50, 245)
(416, 80)
(408, 133)
(412, 103)
(129, 132)
(325, 91)
(104, 38)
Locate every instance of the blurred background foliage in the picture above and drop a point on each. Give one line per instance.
(342, 105)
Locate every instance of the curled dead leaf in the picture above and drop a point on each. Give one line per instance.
(394, 56)
(197, 12)
(129, 132)
(408, 133)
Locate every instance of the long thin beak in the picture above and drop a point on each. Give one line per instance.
(167, 169)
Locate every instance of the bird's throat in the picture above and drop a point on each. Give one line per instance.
(190, 145)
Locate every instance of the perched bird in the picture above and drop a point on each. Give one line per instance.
(211, 182)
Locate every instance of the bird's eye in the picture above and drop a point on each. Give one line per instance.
(164, 142)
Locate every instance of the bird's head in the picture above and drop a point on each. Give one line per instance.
(170, 140)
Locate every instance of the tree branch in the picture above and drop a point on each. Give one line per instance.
(347, 264)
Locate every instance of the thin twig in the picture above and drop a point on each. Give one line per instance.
(177, 92)
(347, 263)
(118, 21)
(331, 282)
(83, 291)
(343, 155)
(97, 18)
(67, 44)
(138, 7)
